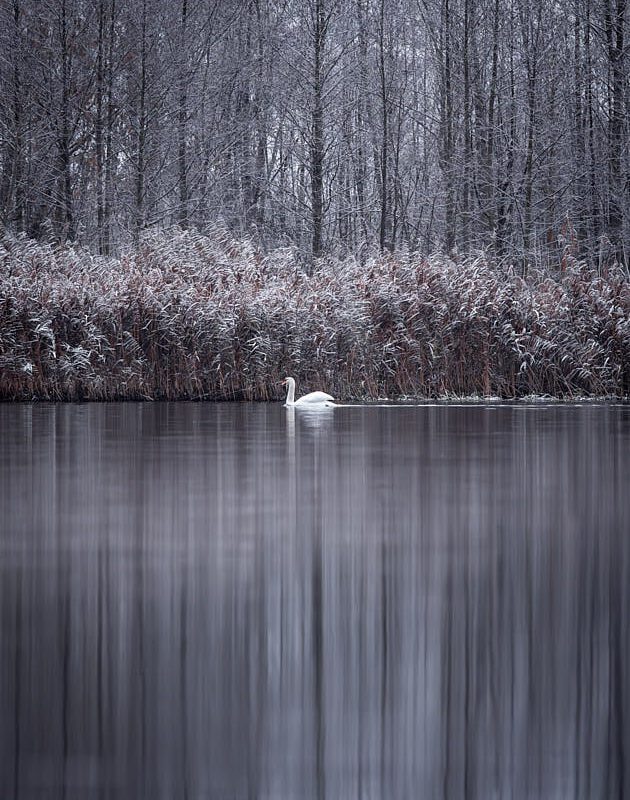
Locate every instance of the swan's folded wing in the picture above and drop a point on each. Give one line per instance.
(315, 398)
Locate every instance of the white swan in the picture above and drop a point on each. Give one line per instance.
(310, 400)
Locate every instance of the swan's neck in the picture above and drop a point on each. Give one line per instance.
(291, 393)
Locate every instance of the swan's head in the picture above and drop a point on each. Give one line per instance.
(288, 382)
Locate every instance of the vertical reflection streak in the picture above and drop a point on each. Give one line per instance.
(17, 683)
(183, 683)
(317, 612)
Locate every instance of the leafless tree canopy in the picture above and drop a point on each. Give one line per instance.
(335, 125)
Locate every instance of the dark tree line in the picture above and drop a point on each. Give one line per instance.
(336, 125)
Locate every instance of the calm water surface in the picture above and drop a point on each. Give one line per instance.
(236, 601)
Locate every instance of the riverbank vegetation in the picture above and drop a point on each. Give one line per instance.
(191, 316)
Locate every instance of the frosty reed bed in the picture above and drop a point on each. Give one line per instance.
(191, 316)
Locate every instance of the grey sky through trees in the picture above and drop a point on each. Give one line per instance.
(335, 125)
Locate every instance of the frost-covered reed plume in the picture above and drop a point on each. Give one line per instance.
(191, 316)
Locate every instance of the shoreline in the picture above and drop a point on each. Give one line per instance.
(381, 402)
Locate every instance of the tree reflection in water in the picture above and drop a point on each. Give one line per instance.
(233, 601)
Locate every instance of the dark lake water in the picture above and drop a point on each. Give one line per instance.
(237, 601)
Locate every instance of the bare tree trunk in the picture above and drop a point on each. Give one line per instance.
(506, 192)
(65, 200)
(139, 213)
(529, 159)
(317, 129)
(99, 125)
(468, 161)
(384, 224)
(447, 150)
(11, 189)
(18, 169)
(399, 205)
(595, 221)
(486, 136)
(531, 34)
(109, 152)
(615, 23)
(260, 183)
(581, 189)
(182, 119)
(248, 110)
(364, 122)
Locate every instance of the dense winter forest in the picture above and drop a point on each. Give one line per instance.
(201, 196)
(334, 125)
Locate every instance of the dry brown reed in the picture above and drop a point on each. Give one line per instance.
(191, 316)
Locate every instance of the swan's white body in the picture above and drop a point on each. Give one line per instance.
(310, 400)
